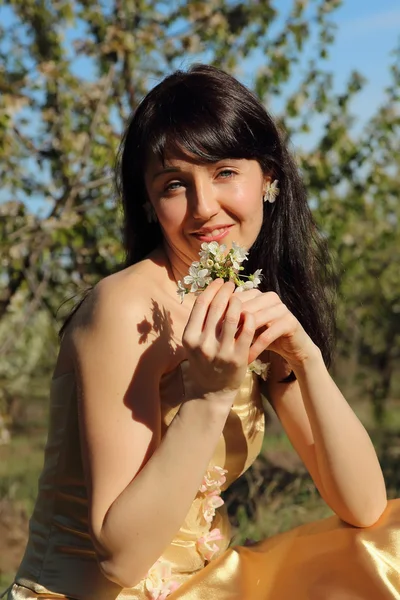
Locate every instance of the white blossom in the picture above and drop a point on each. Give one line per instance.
(260, 368)
(197, 278)
(212, 250)
(245, 285)
(238, 255)
(214, 263)
(272, 191)
(256, 277)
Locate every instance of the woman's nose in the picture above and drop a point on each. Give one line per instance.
(204, 202)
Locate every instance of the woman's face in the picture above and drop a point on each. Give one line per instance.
(198, 203)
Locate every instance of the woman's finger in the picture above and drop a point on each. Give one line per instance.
(230, 326)
(266, 316)
(246, 295)
(198, 315)
(245, 335)
(280, 327)
(216, 311)
(259, 302)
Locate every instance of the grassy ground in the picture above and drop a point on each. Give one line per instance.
(20, 464)
(275, 495)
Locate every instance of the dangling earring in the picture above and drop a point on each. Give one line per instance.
(151, 215)
(271, 191)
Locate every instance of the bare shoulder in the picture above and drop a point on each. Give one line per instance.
(125, 309)
(133, 310)
(119, 296)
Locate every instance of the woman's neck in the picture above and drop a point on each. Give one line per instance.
(176, 268)
(178, 264)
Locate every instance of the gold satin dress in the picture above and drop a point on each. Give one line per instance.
(324, 560)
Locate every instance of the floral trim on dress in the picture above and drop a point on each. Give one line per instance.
(209, 505)
(210, 492)
(205, 545)
(210, 495)
(158, 583)
(213, 480)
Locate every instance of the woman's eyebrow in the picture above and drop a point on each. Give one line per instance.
(172, 169)
(166, 170)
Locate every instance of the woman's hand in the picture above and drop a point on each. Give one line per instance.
(277, 329)
(217, 339)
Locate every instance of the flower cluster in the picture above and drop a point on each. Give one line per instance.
(215, 263)
(158, 583)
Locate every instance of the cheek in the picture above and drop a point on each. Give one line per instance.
(247, 201)
(172, 215)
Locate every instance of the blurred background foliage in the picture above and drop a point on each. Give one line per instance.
(71, 72)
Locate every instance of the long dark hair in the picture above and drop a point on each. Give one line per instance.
(209, 114)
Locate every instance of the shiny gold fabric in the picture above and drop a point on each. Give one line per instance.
(321, 561)
(325, 560)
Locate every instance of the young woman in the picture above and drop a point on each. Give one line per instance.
(154, 410)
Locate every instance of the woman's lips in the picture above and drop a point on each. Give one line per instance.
(213, 237)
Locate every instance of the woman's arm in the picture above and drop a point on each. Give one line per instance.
(321, 425)
(330, 440)
(141, 486)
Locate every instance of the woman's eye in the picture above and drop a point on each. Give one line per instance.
(226, 173)
(172, 186)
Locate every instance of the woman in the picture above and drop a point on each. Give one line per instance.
(154, 410)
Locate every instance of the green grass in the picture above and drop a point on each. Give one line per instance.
(20, 465)
(391, 420)
(279, 515)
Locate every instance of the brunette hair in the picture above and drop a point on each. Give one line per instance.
(208, 114)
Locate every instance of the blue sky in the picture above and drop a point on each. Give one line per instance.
(368, 30)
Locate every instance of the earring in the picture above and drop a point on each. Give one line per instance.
(271, 191)
(151, 215)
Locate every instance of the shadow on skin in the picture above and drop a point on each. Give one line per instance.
(158, 333)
